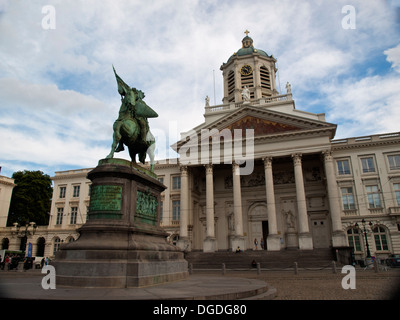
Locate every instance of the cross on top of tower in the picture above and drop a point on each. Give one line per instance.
(247, 42)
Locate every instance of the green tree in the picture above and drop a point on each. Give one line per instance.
(31, 198)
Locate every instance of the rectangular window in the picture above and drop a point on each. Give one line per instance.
(74, 214)
(161, 209)
(176, 210)
(394, 162)
(348, 198)
(343, 167)
(380, 239)
(353, 237)
(396, 188)
(381, 243)
(60, 213)
(57, 243)
(176, 183)
(368, 164)
(76, 191)
(374, 198)
(62, 192)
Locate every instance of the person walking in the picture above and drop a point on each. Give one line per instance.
(8, 260)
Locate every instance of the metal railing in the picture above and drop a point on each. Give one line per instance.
(294, 268)
(261, 101)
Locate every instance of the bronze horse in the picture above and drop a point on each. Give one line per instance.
(132, 128)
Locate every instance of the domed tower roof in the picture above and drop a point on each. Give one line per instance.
(249, 68)
(248, 48)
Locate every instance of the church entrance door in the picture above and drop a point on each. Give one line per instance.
(320, 233)
(265, 233)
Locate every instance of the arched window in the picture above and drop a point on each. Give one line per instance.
(5, 243)
(57, 243)
(380, 238)
(231, 86)
(265, 79)
(354, 238)
(41, 243)
(70, 239)
(247, 81)
(22, 246)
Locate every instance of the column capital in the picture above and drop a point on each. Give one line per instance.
(209, 168)
(267, 162)
(184, 170)
(327, 154)
(235, 166)
(297, 158)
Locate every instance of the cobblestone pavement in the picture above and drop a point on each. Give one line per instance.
(306, 285)
(325, 285)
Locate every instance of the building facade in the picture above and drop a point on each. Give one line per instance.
(258, 169)
(69, 207)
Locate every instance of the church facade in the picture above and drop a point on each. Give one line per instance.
(259, 174)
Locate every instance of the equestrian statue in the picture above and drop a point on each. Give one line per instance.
(132, 128)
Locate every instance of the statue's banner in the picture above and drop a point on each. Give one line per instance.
(122, 86)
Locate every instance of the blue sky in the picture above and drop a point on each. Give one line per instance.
(58, 94)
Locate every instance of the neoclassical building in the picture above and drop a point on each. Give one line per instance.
(260, 169)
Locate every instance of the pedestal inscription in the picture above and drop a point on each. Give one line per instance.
(105, 202)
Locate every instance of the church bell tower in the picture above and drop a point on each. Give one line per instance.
(249, 68)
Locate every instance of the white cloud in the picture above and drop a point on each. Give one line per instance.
(57, 88)
(393, 56)
(42, 124)
(363, 107)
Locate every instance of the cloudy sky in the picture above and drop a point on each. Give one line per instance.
(58, 94)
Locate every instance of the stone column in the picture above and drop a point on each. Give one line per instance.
(238, 239)
(273, 240)
(183, 241)
(209, 244)
(338, 236)
(305, 239)
(34, 247)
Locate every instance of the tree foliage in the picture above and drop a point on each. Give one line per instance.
(31, 198)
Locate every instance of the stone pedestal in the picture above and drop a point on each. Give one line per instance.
(122, 244)
(274, 242)
(292, 240)
(238, 241)
(305, 241)
(209, 245)
(339, 239)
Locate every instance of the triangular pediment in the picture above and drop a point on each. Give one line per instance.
(261, 126)
(267, 124)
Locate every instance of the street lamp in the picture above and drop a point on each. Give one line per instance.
(365, 235)
(25, 232)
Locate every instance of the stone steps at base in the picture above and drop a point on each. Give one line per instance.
(267, 259)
